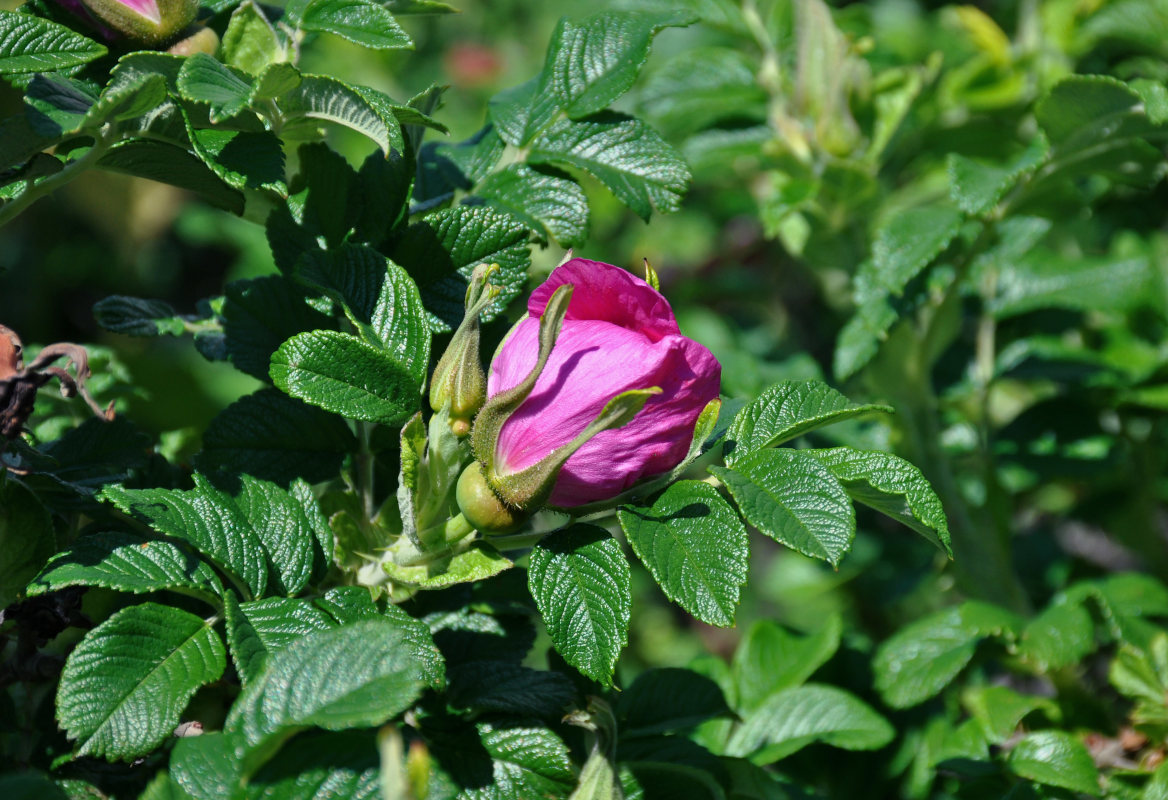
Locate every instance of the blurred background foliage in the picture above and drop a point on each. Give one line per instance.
(806, 134)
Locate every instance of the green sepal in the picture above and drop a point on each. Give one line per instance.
(459, 383)
(499, 408)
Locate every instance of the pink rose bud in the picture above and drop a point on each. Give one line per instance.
(149, 22)
(618, 338)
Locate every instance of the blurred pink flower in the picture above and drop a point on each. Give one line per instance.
(619, 334)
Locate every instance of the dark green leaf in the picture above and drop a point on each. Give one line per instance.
(242, 159)
(204, 80)
(125, 685)
(31, 44)
(138, 316)
(128, 563)
(666, 700)
(1078, 101)
(699, 87)
(504, 686)
(501, 761)
(785, 411)
(344, 375)
(354, 676)
(998, 710)
(793, 498)
(542, 199)
(478, 562)
(623, 153)
(592, 63)
(892, 486)
(770, 659)
(362, 21)
(250, 42)
(442, 250)
(277, 438)
(319, 765)
(580, 581)
(695, 546)
(909, 241)
(521, 112)
(26, 538)
(166, 163)
(796, 717)
(976, 187)
(261, 314)
(1058, 637)
(319, 97)
(920, 660)
(1056, 758)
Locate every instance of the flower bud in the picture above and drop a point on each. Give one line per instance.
(195, 39)
(458, 383)
(482, 507)
(149, 22)
(614, 404)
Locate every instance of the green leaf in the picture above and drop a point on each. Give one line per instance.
(206, 767)
(275, 80)
(771, 659)
(505, 761)
(261, 534)
(976, 186)
(135, 88)
(909, 241)
(354, 676)
(138, 316)
(794, 718)
(521, 112)
(30, 785)
(1055, 758)
(261, 314)
(32, 44)
(668, 699)
(242, 159)
(592, 63)
(319, 97)
(695, 546)
(166, 163)
(791, 497)
(1157, 787)
(1080, 101)
(56, 104)
(250, 42)
(128, 563)
(344, 375)
(1045, 279)
(543, 199)
(441, 251)
(999, 710)
(319, 765)
(700, 87)
(785, 411)
(226, 90)
(380, 299)
(277, 438)
(259, 628)
(477, 563)
(1062, 635)
(920, 660)
(579, 579)
(507, 687)
(126, 684)
(627, 156)
(27, 538)
(361, 21)
(893, 487)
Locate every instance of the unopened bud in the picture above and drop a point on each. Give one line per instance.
(149, 22)
(482, 507)
(195, 39)
(459, 383)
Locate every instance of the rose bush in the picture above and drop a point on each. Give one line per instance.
(619, 334)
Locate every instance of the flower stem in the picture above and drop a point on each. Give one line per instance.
(18, 204)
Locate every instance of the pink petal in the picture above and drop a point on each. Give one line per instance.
(592, 362)
(147, 8)
(608, 293)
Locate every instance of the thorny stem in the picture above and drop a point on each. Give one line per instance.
(365, 469)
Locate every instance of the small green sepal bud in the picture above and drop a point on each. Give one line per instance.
(482, 508)
(195, 39)
(459, 383)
